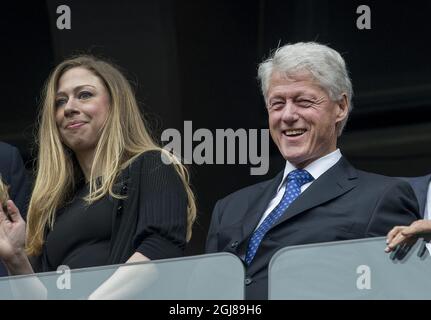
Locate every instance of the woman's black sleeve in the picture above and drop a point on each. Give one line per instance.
(162, 210)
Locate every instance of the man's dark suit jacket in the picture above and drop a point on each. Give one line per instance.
(14, 175)
(420, 187)
(342, 204)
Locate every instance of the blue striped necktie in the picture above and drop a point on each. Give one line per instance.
(295, 180)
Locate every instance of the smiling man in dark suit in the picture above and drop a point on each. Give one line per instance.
(319, 196)
(14, 175)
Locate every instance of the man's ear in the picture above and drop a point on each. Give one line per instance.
(342, 108)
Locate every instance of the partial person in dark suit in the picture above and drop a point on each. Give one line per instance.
(319, 196)
(408, 235)
(421, 188)
(103, 193)
(14, 175)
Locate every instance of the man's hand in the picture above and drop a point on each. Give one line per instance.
(403, 235)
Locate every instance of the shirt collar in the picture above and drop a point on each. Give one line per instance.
(427, 210)
(316, 168)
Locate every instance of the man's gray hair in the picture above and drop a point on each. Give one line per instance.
(325, 65)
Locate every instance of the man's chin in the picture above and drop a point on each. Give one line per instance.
(292, 153)
(297, 159)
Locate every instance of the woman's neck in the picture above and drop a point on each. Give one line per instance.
(85, 160)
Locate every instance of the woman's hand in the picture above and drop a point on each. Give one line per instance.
(408, 235)
(12, 233)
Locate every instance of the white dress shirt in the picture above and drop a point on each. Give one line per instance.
(316, 169)
(427, 211)
(428, 204)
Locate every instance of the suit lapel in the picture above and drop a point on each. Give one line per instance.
(258, 201)
(338, 180)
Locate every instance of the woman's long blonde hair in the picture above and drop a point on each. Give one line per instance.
(123, 138)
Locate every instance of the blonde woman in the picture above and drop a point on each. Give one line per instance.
(102, 193)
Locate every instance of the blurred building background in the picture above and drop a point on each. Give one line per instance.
(197, 60)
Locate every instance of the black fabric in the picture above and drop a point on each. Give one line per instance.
(342, 204)
(15, 176)
(81, 234)
(151, 220)
(420, 187)
(13, 173)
